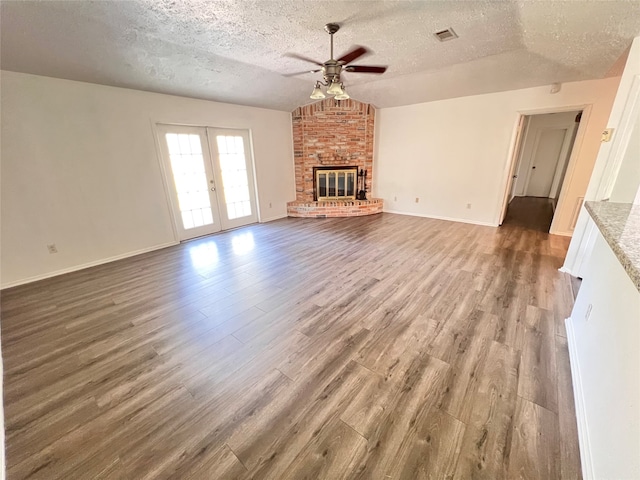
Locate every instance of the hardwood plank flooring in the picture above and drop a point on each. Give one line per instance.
(531, 212)
(381, 347)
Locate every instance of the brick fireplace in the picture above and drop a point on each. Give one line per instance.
(332, 134)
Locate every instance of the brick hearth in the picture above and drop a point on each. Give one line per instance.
(332, 133)
(340, 208)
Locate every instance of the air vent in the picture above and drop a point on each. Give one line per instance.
(444, 35)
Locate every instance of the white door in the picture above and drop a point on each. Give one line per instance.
(210, 177)
(545, 159)
(233, 169)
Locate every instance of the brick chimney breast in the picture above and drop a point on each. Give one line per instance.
(331, 133)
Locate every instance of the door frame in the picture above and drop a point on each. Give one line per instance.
(166, 175)
(513, 154)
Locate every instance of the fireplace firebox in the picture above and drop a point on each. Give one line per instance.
(335, 183)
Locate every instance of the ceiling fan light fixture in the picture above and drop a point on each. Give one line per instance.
(342, 96)
(335, 88)
(332, 68)
(317, 93)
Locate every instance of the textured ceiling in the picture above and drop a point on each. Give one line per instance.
(231, 50)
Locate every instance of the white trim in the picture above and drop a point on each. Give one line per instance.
(563, 162)
(164, 174)
(576, 212)
(542, 111)
(564, 269)
(572, 163)
(620, 141)
(588, 240)
(578, 394)
(271, 219)
(515, 154)
(87, 265)
(561, 234)
(438, 217)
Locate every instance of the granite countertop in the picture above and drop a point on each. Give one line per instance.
(620, 226)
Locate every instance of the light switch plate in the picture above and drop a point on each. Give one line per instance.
(606, 135)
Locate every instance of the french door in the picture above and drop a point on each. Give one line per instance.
(210, 177)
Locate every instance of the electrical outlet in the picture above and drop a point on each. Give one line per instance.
(468, 205)
(52, 248)
(588, 312)
(417, 199)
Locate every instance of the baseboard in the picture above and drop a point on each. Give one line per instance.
(271, 219)
(578, 394)
(437, 217)
(564, 269)
(86, 265)
(562, 234)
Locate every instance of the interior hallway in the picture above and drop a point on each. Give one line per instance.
(532, 213)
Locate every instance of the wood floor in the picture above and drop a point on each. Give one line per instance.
(381, 347)
(534, 213)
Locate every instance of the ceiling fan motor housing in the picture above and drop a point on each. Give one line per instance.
(331, 71)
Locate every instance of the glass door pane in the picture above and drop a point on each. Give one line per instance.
(190, 178)
(351, 184)
(233, 166)
(190, 175)
(322, 185)
(235, 182)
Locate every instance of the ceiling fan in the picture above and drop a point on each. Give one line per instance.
(332, 68)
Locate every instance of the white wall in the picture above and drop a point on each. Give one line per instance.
(453, 152)
(80, 169)
(608, 161)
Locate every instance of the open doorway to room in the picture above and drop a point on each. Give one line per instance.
(543, 149)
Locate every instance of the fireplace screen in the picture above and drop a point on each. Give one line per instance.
(336, 184)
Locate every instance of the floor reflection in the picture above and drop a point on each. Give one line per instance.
(243, 243)
(204, 255)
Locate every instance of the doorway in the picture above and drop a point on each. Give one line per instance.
(543, 150)
(210, 178)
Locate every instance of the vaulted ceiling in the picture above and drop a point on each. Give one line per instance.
(232, 50)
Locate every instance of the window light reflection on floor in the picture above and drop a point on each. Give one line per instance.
(204, 255)
(243, 243)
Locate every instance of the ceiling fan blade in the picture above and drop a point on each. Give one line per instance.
(299, 73)
(357, 52)
(302, 57)
(365, 69)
